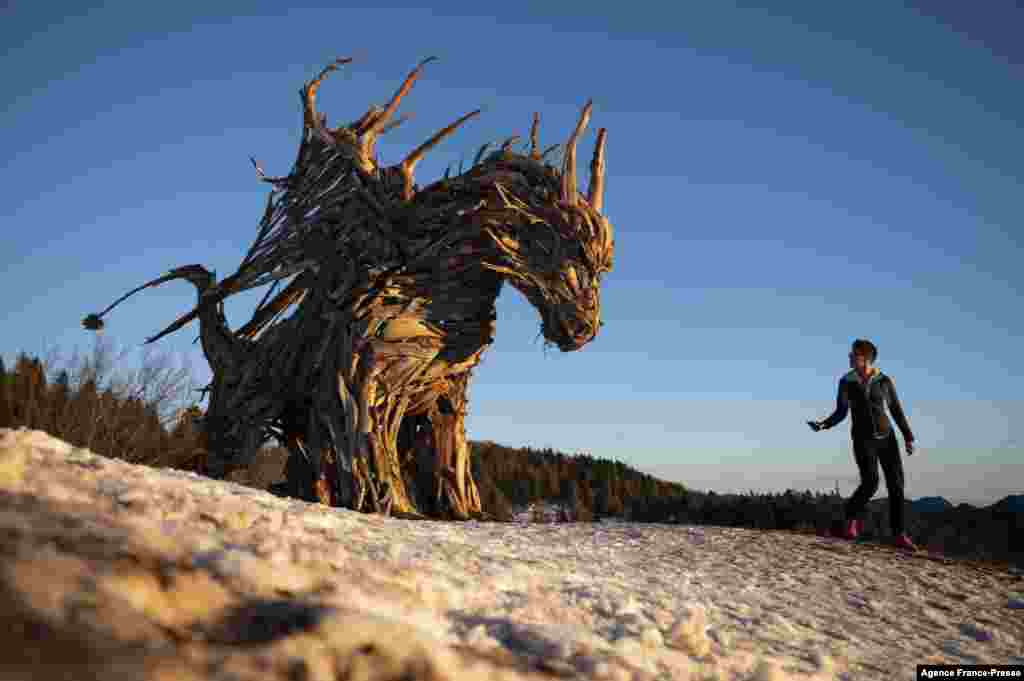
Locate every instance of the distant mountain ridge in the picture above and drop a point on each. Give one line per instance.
(1012, 503)
(931, 504)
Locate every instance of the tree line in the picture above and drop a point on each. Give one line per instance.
(137, 416)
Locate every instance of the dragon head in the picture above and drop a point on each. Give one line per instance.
(552, 244)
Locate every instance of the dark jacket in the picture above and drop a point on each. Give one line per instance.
(867, 404)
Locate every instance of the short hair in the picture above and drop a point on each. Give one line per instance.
(863, 346)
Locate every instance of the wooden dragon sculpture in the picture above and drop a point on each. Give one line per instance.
(393, 289)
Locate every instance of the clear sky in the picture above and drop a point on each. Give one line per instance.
(780, 183)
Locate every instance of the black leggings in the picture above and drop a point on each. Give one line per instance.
(869, 453)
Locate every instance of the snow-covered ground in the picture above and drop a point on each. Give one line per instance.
(552, 512)
(649, 602)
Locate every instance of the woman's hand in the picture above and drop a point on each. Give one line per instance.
(815, 425)
(910, 447)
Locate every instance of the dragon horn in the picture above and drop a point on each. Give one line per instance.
(595, 195)
(569, 191)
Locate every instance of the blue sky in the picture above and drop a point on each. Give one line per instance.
(780, 183)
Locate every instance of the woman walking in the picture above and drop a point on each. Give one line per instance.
(864, 391)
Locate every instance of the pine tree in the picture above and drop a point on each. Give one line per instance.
(59, 397)
(580, 510)
(6, 398)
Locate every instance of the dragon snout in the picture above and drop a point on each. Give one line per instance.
(576, 332)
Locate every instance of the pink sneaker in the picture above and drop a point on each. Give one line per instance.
(904, 542)
(851, 529)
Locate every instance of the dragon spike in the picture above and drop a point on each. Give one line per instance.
(367, 118)
(395, 123)
(595, 196)
(407, 166)
(480, 153)
(507, 144)
(534, 153)
(309, 94)
(569, 191)
(281, 302)
(547, 152)
(376, 124)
